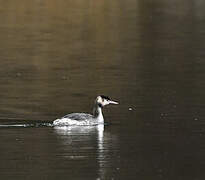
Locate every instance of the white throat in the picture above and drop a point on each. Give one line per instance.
(100, 116)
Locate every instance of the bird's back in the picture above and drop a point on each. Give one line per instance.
(79, 116)
(75, 119)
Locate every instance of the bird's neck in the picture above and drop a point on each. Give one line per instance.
(97, 113)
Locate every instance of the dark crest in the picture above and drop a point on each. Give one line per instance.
(105, 97)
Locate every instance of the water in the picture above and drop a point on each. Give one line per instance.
(57, 56)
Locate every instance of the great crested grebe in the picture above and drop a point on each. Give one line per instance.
(81, 119)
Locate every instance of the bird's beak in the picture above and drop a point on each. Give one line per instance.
(113, 102)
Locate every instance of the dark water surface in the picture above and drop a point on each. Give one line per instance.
(57, 56)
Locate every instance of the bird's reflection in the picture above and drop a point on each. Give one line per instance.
(77, 136)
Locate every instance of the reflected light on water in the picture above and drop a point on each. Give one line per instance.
(82, 134)
(101, 155)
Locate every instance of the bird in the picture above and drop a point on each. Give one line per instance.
(84, 119)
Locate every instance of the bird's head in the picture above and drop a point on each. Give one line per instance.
(104, 100)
